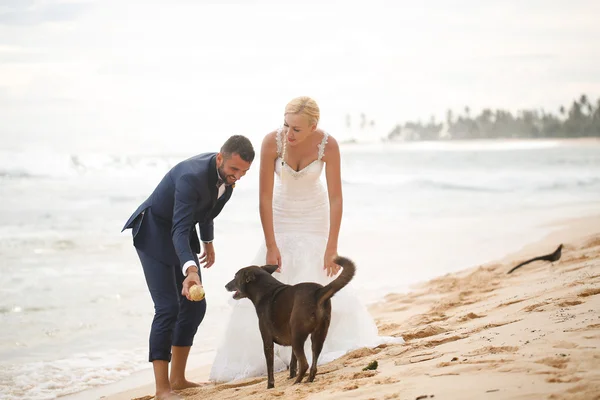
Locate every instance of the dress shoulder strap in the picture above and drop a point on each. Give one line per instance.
(278, 139)
(322, 145)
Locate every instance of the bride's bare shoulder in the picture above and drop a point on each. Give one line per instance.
(269, 143)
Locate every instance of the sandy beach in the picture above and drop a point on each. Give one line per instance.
(476, 334)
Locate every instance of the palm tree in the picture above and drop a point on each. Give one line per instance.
(449, 118)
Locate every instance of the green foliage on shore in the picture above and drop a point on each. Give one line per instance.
(580, 119)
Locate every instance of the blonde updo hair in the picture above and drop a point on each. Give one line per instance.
(306, 106)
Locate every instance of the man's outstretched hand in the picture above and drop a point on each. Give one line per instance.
(192, 279)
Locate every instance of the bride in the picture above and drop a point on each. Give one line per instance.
(301, 224)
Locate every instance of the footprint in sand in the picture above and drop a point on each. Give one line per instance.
(249, 382)
(399, 298)
(565, 345)
(555, 362)
(487, 363)
(589, 292)
(569, 303)
(536, 307)
(389, 329)
(576, 259)
(563, 379)
(429, 318)
(586, 328)
(430, 330)
(358, 375)
(492, 350)
(591, 389)
(435, 343)
(470, 316)
(418, 358)
(363, 352)
(594, 242)
(491, 326)
(510, 303)
(386, 381)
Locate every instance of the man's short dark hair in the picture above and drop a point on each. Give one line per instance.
(238, 144)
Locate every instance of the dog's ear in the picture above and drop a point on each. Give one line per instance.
(249, 276)
(270, 268)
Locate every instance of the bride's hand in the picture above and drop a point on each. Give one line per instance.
(331, 267)
(274, 257)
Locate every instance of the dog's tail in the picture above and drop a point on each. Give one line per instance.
(338, 283)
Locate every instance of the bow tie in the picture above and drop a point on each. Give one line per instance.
(219, 182)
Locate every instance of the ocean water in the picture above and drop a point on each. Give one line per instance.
(74, 309)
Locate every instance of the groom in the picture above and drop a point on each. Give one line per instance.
(164, 235)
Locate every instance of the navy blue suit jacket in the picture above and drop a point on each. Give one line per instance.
(164, 226)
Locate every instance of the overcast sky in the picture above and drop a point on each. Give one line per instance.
(164, 71)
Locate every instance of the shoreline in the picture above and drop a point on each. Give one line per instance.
(559, 140)
(395, 314)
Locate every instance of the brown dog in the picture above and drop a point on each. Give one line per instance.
(288, 314)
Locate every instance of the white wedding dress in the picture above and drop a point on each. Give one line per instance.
(301, 224)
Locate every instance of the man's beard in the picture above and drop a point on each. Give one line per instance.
(223, 175)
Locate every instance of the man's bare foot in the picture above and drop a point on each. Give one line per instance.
(185, 384)
(168, 396)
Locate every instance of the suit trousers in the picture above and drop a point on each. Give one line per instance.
(176, 319)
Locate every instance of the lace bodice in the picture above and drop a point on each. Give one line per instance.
(321, 146)
(311, 172)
